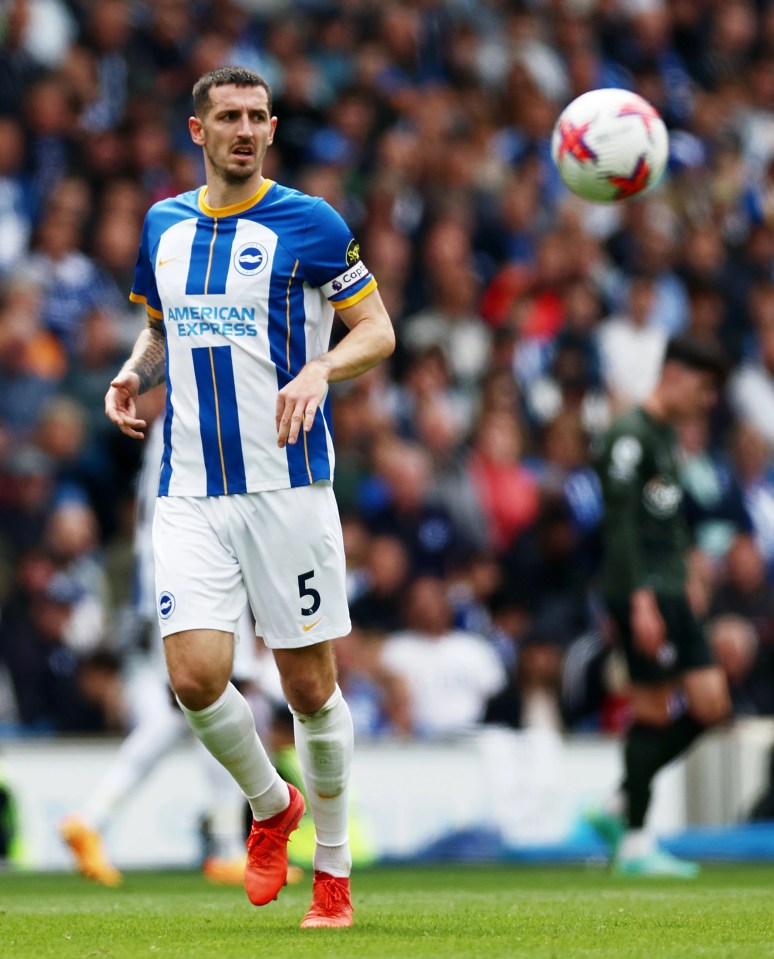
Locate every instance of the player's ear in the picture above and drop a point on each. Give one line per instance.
(196, 130)
(273, 129)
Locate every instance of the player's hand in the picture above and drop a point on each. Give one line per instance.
(120, 406)
(298, 402)
(648, 629)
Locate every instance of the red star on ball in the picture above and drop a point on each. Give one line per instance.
(572, 142)
(641, 109)
(634, 183)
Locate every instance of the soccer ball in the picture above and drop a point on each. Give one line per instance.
(609, 145)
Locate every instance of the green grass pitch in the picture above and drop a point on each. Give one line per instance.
(442, 912)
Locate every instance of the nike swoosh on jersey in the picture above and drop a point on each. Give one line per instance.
(312, 625)
(169, 259)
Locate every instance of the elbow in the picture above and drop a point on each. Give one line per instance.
(388, 344)
(386, 336)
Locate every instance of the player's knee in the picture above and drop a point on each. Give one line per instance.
(651, 708)
(308, 693)
(308, 678)
(196, 692)
(711, 709)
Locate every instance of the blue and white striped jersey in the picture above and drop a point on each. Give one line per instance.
(247, 294)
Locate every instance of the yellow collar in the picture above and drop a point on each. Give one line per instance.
(220, 211)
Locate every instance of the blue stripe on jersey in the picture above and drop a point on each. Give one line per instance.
(219, 420)
(231, 435)
(166, 459)
(210, 256)
(221, 255)
(287, 344)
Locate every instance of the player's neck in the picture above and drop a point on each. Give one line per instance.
(222, 194)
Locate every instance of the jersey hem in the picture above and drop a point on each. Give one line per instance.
(264, 487)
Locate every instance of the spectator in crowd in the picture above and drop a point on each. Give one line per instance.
(376, 698)
(449, 674)
(26, 501)
(530, 700)
(752, 386)
(405, 508)
(752, 462)
(564, 469)
(632, 348)
(15, 200)
(507, 491)
(70, 281)
(71, 538)
(44, 668)
(749, 667)
(549, 565)
(32, 359)
(450, 320)
(714, 503)
(377, 608)
(439, 433)
(745, 591)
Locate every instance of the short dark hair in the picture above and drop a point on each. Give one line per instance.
(698, 354)
(222, 77)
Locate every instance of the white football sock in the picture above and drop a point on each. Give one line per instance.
(227, 729)
(325, 744)
(137, 756)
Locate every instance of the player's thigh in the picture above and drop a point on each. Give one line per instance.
(198, 579)
(648, 672)
(687, 635)
(292, 557)
(706, 691)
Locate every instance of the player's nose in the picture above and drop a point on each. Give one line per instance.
(244, 129)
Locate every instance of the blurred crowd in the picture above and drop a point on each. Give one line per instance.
(526, 319)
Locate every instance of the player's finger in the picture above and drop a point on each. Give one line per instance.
(133, 423)
(296, 421)
(309, 415)
(132, 427)
(279, 410)
(283, 427)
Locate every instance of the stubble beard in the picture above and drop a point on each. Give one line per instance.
(234, 177)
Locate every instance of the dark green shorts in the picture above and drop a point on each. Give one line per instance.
(687, 645)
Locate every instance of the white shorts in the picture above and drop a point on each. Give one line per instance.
(282, 550)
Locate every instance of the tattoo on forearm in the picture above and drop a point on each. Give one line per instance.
(148, 357)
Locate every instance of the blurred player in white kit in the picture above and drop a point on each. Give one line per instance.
(157, 723)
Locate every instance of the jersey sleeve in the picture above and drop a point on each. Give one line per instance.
(330, 259)
(144, 287)
(622, 472)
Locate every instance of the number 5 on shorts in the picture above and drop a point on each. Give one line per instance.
(304, 590)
